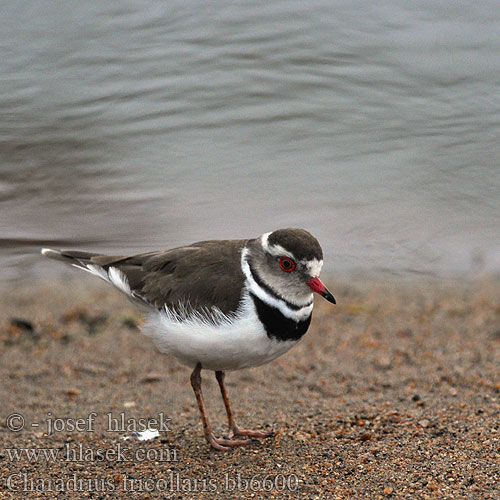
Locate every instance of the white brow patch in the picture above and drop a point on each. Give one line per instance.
(273, 249)
(313, 266)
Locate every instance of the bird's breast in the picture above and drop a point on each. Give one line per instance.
(277, 325)
(219, 343)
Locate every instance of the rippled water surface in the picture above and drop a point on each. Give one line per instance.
(142, 125)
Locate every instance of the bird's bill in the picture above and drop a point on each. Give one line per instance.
(317, 286)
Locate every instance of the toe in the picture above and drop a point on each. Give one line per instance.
(251, 433)
(224, 444)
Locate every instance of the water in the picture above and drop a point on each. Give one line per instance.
(143, 125)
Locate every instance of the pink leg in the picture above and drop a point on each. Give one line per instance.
(217, 443)
(237, 432)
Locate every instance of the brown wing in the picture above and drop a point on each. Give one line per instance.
(198, 276)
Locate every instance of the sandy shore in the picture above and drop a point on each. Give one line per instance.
(393, 393)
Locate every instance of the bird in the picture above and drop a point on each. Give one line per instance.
(219, 305)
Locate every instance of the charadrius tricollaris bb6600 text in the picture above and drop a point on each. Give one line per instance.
(219, 305)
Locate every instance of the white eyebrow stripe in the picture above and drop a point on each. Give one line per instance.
(273, 249)
(313, 266)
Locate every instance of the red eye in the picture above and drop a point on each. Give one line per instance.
(287, 264)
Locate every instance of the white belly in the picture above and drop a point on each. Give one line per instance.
(232, 344)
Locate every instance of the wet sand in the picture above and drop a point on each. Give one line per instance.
(393, 393)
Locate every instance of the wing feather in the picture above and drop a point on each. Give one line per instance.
(191, 278)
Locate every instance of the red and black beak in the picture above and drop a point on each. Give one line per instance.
(317, 286)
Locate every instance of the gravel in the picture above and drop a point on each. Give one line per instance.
(393, 393)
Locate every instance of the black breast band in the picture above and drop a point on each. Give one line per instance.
(277, 326)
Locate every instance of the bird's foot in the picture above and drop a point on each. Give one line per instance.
(224, 444)
(237, 432)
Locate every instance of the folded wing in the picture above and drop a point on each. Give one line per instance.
(190, 279)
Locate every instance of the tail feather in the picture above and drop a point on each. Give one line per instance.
(51, 254)
(68, 255)
(97, 264)
(76, 258)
